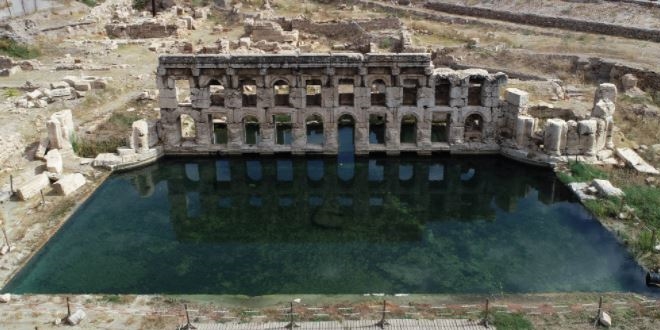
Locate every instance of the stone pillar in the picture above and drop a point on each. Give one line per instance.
(235, 136)
(140, 136)
(573, 146)
(525, 126)
(60, 129)
(587, 130)
(554, 138)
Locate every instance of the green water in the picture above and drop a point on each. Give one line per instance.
(302, 225)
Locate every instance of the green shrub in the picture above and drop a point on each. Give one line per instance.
(512, 322)
(12, 48)
(12, 92)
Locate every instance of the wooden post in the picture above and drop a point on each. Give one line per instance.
(292, 324)
(487, 314)
(68, 307)
(11, 184)
(23, 6)
(153, 8)
(43, 199)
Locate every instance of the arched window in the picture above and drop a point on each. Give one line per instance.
(442, 92)
(440, 127)
(188, 127)
(314, 124)
(410, 92)
(409, 129)
(473, 127)
(313, 91)
(217, 92)
(377, 128)
(220, 133)
(249, 91)
(474, 91)
(251, 128)
(281, 92)
(283, 129)
(345, 91)
(378, 93)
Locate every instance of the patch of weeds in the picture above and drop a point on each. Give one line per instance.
(603, 207)
(645, 201)
(12, 92)
(63, 208)
(516, 321)
(115, 299)
(645, 242)
(581, 172)
(89, 3)
(90, 148)
(14, 49)
(140, 4)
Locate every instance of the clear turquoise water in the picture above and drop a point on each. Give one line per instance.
(331, 225)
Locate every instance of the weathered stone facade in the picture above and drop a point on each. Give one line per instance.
(380, 95)
(232, 104)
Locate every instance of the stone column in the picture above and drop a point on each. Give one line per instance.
(525, 126)
(555, 136)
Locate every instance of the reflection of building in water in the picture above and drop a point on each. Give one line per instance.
(371, 199)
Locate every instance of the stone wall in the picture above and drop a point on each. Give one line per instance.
(549, 21)
(146, 29)
(395, 92)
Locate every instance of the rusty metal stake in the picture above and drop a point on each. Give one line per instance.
(383, 322)
(292, 324)
(4, 232)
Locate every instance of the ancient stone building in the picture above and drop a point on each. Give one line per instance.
(362, 103)
(298, 103)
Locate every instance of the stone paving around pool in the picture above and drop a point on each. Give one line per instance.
(164, 312)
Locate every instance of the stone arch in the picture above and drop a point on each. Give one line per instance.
(409, 123)
(378, 92)
(251, 129)
(474, 127)
(188, 126)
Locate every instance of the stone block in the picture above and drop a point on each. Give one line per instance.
(603, 109)
(69, 183)
(106, 160)
(82, 86)
(33, 186)
(10, 71)
(61, 92)
(628, 82)
(40, 153)
(34, 95)
(605, 92)
(76, 317)
(635, 161)
(54, 161)
(517, 97)
(604, 319)
(99, 83)
(606, 189)
(59, 85)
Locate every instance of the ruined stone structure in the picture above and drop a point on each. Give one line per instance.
(233, 104)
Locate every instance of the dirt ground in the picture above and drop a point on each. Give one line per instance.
(131, 66)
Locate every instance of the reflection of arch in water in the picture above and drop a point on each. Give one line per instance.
(192, 172)
(253, 170)
(467, 176)
(284, 168)
(222, 171)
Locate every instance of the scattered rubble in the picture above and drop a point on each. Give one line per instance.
(633, 160)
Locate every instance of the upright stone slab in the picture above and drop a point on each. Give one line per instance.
(140, 136)
(54, 161)
(517, 97)
(554, 139)
(524, 129)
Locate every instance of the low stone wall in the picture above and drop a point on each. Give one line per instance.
(146, 29)
(549, 21)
